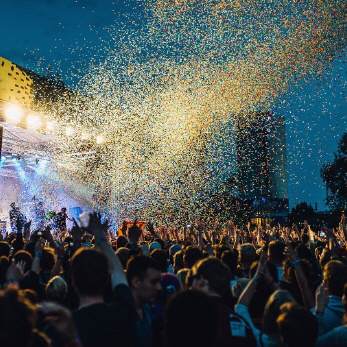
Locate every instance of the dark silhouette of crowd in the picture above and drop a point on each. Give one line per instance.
(206, 285)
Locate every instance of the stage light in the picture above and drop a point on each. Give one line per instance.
(13, 113)
(100, 139)
(34, 121)
(69, 131)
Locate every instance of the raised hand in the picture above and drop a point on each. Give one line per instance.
(76, 231)
(96, 227)
(99, 230)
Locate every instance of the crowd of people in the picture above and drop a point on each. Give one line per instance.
(206, 285)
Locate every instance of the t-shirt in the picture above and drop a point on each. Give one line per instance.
(334, 338)
(107, 324)
(144, 335)
(141, 328)
(332, 315)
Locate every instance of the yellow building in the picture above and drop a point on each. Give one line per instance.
(15, 85)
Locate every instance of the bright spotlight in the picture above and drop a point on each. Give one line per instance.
(69, 131)
(34, 121)
(13, 113)
(100, 139)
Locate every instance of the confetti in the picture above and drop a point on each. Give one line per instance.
(166, 98)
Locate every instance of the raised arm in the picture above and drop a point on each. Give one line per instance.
(301, 279)
(248, 293)
(99, 230)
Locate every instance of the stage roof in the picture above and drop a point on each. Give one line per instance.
(24, 142)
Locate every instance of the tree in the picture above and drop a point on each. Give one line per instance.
(302, 212)
(334, 176)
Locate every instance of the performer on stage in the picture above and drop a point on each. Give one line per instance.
(14, 212)
(38, 214)
(17, 219)
(61, 218)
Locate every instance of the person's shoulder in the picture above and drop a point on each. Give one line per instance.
(333, 299)
(111, 312)
(121, 291)
(339, 331)
(122, 296)
(335, 337)
(90, 310)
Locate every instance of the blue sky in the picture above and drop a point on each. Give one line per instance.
(62, 36)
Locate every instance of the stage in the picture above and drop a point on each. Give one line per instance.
(28, 175)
